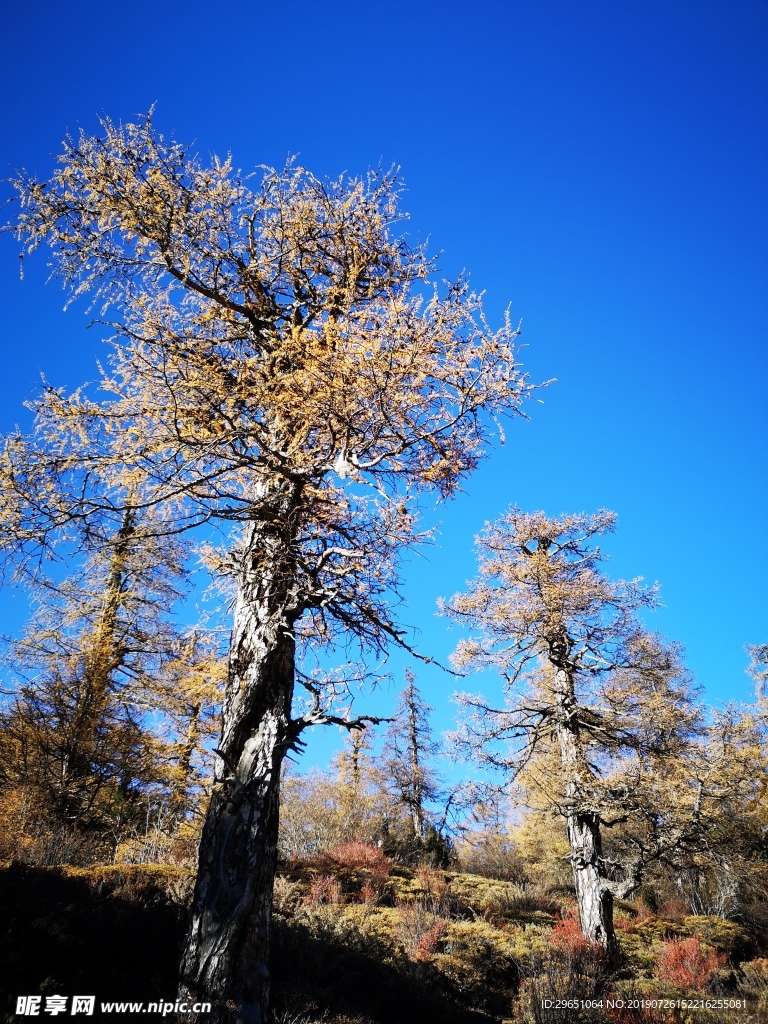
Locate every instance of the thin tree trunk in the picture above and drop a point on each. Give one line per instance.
(104, 655)
(417, 810)
(593, 897)
(183, 779)
(358, 736)
(226, 960)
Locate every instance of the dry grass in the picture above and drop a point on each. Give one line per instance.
(431, 945)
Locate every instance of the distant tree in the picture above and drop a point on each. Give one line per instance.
(112, 613)
(78, 769)
(354, 765)
(723, 869)
(409, 749)
(483, 829)
(322, 810)
(758, 669)
(188, 693)
(85, 672)
(282, 364)
(599, 709)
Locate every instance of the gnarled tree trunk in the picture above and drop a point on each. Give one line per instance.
(593, 896)
(226, 960)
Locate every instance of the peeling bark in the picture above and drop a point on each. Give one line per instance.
(593, 895)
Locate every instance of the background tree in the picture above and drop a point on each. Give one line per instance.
(281, 364)
(722, 868)
(72, 774)
(482, 830)
(354, 764)
(592, 693)
(75, 741)
(322, 810)
(407, 762)
(758, 669)
(188, 697)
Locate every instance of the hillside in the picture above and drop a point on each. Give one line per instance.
(359, 940)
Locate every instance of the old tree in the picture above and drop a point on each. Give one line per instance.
(280, 363)
(601, 722)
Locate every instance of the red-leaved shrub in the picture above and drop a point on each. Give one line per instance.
(358, 855)
(580, 952)
(370, 893)
(429, 941)
(437, 891)
(420, 929)
(688, 964)
(324, 889)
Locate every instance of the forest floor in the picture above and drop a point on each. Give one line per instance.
(359, 941)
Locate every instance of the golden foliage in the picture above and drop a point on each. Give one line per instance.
(281, 358)
(601, 719)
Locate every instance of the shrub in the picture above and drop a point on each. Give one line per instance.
(31, 833)
(436, 890)
(433, 881)
(754, 984)
(370, 893)
(517, 900)
(726, 936)
(688, 964)
(358, 855)
(579, 953)
(674, 909)
(634, 1011)
(554, 993)
(498, 901)
(492, 856)
(285, 895)
(324, 889)
(420, 930)
(428, 943)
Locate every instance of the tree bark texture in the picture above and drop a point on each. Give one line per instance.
(593, 896)
(226, 960)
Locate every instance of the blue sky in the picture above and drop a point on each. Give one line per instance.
(600, 166)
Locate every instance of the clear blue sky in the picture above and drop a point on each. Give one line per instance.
(601, 166)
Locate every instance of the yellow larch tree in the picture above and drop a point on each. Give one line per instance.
(283, 366)
(598, 709)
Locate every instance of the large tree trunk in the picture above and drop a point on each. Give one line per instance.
(226, 960)
(593, 896)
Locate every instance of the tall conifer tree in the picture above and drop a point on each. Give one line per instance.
(599, 708)
(282, 364)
